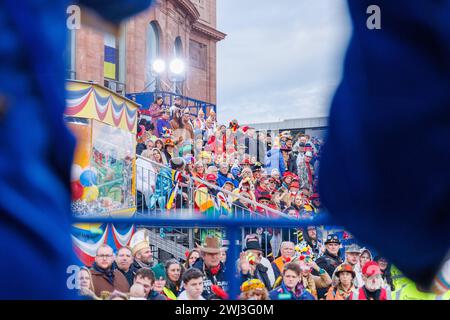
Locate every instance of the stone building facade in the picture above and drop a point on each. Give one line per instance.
(185, 29)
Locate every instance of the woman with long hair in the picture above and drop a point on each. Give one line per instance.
(86, 284)
(174, 271)
(191, 258)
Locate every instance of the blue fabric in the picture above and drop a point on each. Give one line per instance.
(221, 179)
(274, 160)
(36, 148)
(385, 171)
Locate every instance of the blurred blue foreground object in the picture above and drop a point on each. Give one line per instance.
(36, 148)
(385, 172)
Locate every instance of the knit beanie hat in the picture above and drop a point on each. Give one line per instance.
(159, 271)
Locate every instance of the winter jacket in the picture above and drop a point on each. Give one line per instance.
(328, 262)
(261, 273)
(129, 275)
(209, 279)
(283, 293)
(108, 281)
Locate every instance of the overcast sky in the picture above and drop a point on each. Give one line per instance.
(280, 59)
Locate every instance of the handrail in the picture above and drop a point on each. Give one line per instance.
(209, 185)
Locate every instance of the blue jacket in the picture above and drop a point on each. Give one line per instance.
(282, 293)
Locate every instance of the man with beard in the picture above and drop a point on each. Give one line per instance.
(124, 263)
(310, 239)
(104, 277)
(140, 248)
(373, 284)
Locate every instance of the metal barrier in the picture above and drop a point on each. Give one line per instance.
(156, 178)
(152, 175)
(145, 99)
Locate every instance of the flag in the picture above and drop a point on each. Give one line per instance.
(176, 177)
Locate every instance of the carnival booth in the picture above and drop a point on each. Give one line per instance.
(103, 172)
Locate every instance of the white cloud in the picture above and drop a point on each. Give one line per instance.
(280, 59)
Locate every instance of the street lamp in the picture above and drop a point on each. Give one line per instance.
(177, 73)
(158, 67)
(177, 67)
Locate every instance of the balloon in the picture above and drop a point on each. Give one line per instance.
(76, 173)
(82, 156)
(77, 190)
(88, 178)
(90, 193)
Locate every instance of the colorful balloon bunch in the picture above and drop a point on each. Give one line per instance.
(84, 184)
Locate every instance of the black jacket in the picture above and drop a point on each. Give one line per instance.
(209, 279)
(328, 262)
(292, 164)
(260, 273)
(129, 275)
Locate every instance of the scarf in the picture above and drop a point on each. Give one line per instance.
(109, 273)
(345, 293)
(141, 264)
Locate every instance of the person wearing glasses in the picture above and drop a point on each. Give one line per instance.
(104, 277)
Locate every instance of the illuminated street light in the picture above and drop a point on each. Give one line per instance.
(158, 66)
(177, 67)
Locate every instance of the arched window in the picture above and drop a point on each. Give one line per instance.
(152, 52)
(178, 48)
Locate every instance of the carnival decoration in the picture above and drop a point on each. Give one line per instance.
(105, 127)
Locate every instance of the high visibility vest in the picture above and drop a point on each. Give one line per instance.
(410, 292)
(398, 278)
(169, 294)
